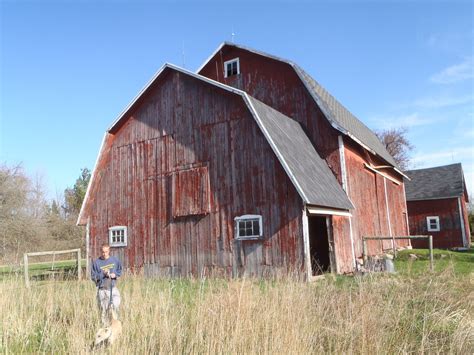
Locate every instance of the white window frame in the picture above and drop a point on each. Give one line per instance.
(433, 219)
(125, 238)
(230, 62)
(248, 217)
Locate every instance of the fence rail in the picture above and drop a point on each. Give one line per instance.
(54, 253)
(429, 237)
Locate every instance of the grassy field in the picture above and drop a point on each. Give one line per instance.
(413, 311)
(42, 270)
(459, 262)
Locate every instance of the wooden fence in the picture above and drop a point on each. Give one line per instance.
(429, 237)
(77, 252)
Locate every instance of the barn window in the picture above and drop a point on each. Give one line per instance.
(118, 236)
(191, 192)
(231, 67)
(433, 223)
(248, 226)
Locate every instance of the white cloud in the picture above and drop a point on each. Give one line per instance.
(455, 73)
(442, 101)
(408, 121)
(447, 156)
(469, 133)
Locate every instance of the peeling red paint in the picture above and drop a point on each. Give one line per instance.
(178, 173)
(189, 157)
(276, 84)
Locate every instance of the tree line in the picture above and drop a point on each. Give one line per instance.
(30, 222)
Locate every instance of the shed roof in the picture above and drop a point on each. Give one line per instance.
(435, 183)
(308, 170)
(339, 117)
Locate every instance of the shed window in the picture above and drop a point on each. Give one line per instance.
(118, 236)
(248, 226)
(433, 223)
(231, 67)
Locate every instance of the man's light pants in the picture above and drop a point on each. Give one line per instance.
(103, 299)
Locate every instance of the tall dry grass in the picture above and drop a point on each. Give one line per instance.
(376, 314)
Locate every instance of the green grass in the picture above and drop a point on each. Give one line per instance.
(42, 269)
(462, 263)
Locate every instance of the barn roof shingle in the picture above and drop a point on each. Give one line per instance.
(435, 183)
(342, 118)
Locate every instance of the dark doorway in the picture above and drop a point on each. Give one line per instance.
(318, 245)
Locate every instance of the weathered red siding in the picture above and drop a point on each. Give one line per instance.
(188, 132)
(372, 194)
(450, 234)
(276, 83)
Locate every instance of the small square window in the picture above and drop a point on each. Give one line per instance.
(231, 67)
(118, 236)
(248, 227)
(433, 224)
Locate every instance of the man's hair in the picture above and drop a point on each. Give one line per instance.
(105, 245)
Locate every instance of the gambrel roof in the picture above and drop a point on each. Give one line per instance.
(309, 173)
(339, 117)
(342, 119)
(435, 183)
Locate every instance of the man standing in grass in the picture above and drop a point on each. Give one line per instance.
(105, 271)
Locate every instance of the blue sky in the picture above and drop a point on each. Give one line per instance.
(68, 68)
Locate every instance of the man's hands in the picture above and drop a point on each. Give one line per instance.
(110, 274)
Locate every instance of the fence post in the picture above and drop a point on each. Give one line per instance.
(79, 265)
(364, 250)
(25, 263)
(430, 240)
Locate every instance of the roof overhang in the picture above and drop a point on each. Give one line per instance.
(312, 210)
(432, 198)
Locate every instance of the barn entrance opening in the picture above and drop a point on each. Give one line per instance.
(319, 245)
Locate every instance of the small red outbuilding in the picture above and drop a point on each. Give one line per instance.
(436, 199)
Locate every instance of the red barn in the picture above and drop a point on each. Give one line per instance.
(247, 167)
(437, 199)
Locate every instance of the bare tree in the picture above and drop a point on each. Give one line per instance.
(397, 144)
(28, 222)
(18, 224)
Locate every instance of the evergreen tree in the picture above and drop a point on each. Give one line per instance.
(73, 197)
